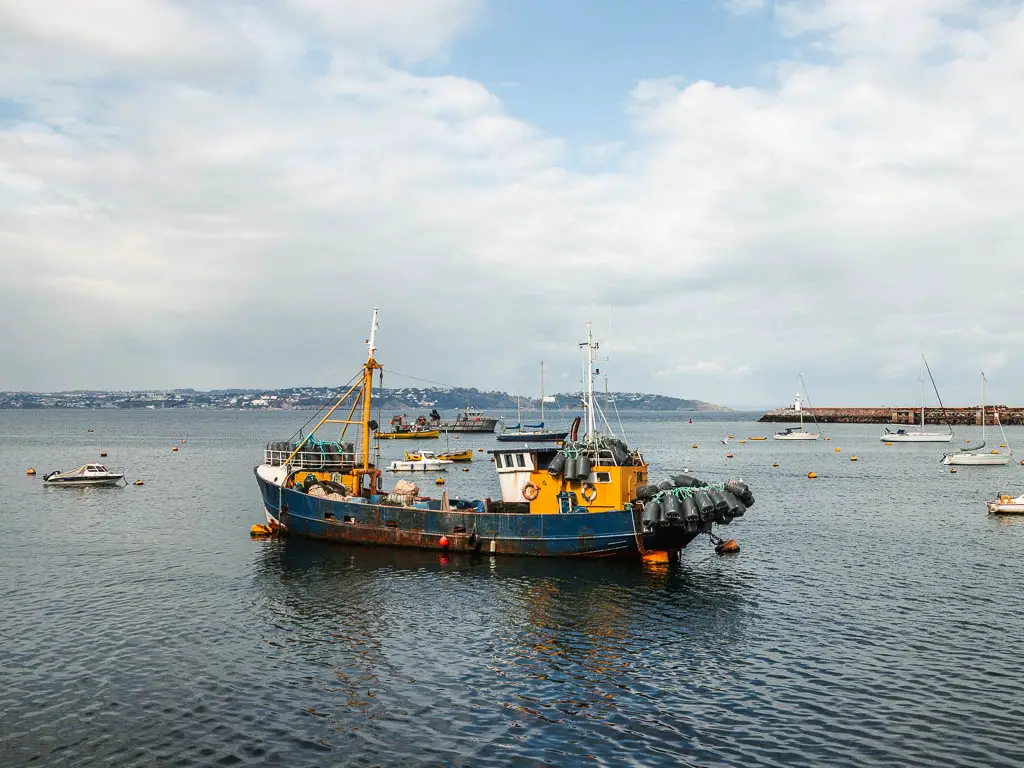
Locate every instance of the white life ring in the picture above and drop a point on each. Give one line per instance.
(530, 491)
(589, 492)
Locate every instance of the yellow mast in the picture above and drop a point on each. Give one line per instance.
(368, 369)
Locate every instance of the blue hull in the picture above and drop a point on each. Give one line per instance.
(588, 534)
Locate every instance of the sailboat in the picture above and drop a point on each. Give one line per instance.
(794, 433)
(532, 432)
(973, 456)
(903, 436)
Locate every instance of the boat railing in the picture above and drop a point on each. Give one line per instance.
(312, 457)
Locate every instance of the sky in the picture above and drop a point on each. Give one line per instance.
(733, 192)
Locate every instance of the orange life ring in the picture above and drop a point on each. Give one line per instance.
(530, 491)
(589, 492)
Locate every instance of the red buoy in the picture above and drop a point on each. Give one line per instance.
(444, 542)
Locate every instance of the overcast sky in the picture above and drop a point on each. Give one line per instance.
(199, 194)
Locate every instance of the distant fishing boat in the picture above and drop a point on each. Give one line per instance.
(532, 432)
(972, 456)
(589, 498)
(469, 420)
(919, 436)
(402, 430)
(797, 433)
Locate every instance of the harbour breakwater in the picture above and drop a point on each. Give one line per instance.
(994, 414)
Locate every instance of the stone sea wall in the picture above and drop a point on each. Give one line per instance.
(1003, 414)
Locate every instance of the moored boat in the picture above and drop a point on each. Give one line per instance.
(86, 475)
(466, 455)
(532, 433)
(402, 430)
(1006, 505)
(590, 498)
(424, 461)
(972, 456)
(468, 420)
(921, 435)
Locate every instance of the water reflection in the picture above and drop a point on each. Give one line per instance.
(506, 645)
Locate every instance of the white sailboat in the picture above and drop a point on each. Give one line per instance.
(973, 456)
(794, 433)
(918, 436)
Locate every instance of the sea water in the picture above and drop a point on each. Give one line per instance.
(872, 617)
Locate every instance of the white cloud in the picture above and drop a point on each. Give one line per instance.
(744, 7)
(833, 223)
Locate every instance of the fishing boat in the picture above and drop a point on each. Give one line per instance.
(425, 461)
(1006, 505)
(402, 430)
(532, 432)
(86, 475)
(469, 420)
(588, 498)
(797, 433)
(921, 435)
(973, 455)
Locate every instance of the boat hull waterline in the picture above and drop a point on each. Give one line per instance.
(916, 437)
(976, 459)
(585, 534)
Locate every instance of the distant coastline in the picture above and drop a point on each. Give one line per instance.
(312, 398)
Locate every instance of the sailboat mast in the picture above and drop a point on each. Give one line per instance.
(983, 406)
(922, 391)
(542, 394)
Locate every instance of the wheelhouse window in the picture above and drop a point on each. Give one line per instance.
(602, 477)
(520, 460)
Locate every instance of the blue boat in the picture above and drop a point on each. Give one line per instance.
(587, 498)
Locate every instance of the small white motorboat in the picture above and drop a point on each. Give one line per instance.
(427, 462)
(85, 475)
(1006, 505)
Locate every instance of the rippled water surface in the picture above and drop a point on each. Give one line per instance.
(873, 616)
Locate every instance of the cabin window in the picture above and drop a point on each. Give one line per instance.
(602, 477)
(520, 460)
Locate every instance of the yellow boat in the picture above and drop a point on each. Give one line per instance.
(426, 434)
(757, 438)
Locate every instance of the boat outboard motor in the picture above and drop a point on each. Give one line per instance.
(672, 507)
(705, 507)
(652, 513)
(557, 464)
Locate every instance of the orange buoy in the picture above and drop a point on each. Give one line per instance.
(853, 458)
(479, 450)
(465, 469)
(775, 464)
(730, 437)
(729, 547)
(439, 481)
(828, 438)
(694, 445)
(258, 531)
(657, 556)
(742, 442)
(183, 441)
(837, 450)
(139, 482)
(888, 445)
(812, 475)
(952, 471)
(30, 471)
(173, 448)
(995, 452)
(728, 455)
(103, 454)
(443, 542)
